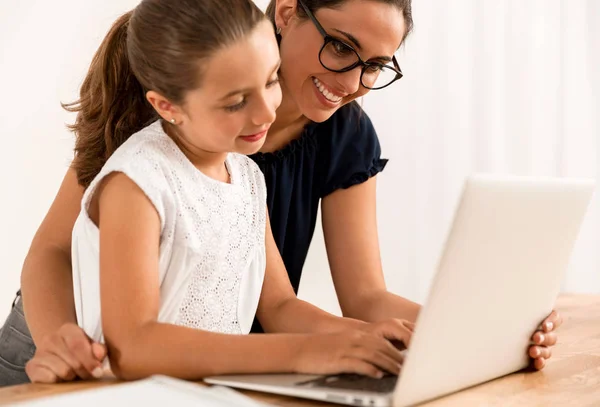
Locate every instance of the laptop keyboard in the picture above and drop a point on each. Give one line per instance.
(354, 382)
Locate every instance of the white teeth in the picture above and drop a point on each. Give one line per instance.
(328, 95)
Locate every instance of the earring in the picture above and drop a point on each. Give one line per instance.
(172, 121)
(278, 30)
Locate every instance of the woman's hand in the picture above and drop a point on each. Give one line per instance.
(369, 351)
(543, 340)
(66, 355)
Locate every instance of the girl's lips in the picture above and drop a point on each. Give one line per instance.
(251, 138)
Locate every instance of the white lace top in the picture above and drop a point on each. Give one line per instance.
(212, 252)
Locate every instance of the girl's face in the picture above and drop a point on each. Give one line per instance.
(235, 104)
(374, 29)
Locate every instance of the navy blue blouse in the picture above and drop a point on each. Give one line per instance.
(338, 153)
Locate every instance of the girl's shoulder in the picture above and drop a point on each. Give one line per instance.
(150, 143)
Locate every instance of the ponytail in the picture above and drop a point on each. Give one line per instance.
(161, 46)
(111, 107)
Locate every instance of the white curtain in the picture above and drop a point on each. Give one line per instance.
(504, 86)
(490, 85)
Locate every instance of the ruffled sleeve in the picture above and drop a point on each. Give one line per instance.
(349, 151)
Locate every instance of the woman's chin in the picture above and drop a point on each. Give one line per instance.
(318, 113)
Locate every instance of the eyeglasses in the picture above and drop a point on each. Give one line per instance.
(337, 56)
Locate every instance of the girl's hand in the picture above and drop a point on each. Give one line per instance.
(543, 340)
(65, 355)
(390, 329)
(368, 351)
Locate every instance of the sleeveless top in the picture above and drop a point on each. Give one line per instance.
(212, 234)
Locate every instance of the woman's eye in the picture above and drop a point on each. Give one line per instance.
(374, 68)
(341, 48)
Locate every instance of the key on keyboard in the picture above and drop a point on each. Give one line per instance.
(354, 382)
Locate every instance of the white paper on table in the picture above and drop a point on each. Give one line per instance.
(156, 390)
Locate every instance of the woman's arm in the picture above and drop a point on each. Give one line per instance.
(63, 350)
(350, 230)
(280, 310)
(46, 281)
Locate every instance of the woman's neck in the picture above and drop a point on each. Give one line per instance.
(288, 124)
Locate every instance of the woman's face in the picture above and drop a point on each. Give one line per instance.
(374, 29)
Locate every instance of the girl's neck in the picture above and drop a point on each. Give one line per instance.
(210, 164)
(287, 126)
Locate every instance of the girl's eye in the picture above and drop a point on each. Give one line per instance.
(237, 106)
(273, 82)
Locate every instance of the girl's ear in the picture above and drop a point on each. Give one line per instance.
(164, 107)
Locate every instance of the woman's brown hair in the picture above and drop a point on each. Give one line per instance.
(314, 5)
(160, 46)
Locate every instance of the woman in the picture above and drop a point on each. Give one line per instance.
(321, 148)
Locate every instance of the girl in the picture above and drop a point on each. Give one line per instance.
(172, 251)
(317, 151)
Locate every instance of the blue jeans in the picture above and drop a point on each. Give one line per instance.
(16, 346)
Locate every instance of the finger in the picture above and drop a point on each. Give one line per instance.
(38, 373)
(538, 337)
(353, 365)
(57, 366)
(551, 322)
(392, 351)
(545, 353)
(536, 352)
(377, 359)
(539, 363)
(410, 325)
(550, 339)
(397, 331)
(99, 351)
(384, 346)
(382, 353)
(384, 362)
(59, 349)
(79, 345)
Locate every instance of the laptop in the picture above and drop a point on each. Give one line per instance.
(498, 278)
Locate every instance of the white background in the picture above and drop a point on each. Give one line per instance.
(507, 86)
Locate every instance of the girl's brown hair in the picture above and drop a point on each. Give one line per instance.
(160, 46)
(314, 5)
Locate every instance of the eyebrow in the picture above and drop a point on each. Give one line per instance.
(248, 90)
(356, 43)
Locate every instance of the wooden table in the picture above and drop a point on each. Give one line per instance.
(572, 377)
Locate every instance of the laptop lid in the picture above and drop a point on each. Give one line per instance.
(500, 272)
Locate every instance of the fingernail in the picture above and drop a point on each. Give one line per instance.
(98, 373)
(380, 375)
(542, 338)
(536, 352)
(549, 326)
